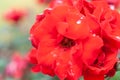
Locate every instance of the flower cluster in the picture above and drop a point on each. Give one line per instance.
(16, 66)
(74, 38)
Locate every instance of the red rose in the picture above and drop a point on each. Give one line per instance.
(75, 38)
(62, 48)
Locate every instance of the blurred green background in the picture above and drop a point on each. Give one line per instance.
(15, 38)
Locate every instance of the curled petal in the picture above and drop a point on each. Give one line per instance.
(92, 47)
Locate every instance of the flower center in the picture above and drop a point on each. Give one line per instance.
(67, 43)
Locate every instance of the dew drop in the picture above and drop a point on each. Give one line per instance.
(94, 35)
(82, 17)
(71, 72)
(112, 7)
(57, 63)
(118, 37)
(78, 22)
(53, 54)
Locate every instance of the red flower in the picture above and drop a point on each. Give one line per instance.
(62, 48)
(75, 38)
(16, 67)
(14, 15)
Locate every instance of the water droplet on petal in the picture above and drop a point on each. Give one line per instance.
(82, 17)
(71, 72)
(53, 54)
(78, 22)
(112, 7)
(118, 37)
(94, 35)
(57, 63)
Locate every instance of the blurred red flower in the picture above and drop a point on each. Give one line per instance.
(15, 15)
(16, 66)
(43, 1)
(74, 38)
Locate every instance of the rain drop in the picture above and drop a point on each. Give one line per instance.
(78, 22)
